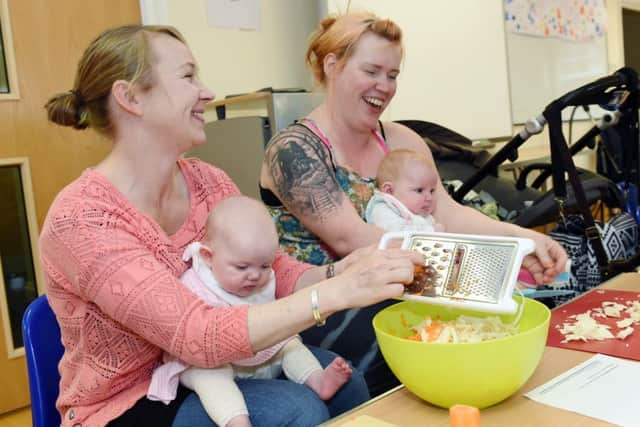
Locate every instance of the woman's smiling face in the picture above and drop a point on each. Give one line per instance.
(178, 98)
(367, 81)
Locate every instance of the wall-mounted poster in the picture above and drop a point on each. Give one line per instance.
(240, 14)
(565, 19)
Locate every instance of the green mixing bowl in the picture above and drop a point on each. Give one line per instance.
(478, 374)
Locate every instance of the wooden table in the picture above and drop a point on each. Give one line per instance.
(402, 408)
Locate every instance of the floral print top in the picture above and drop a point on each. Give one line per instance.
(295, 239)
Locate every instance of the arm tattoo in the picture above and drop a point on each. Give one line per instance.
(303, 175)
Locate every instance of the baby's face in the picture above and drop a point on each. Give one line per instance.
(416, 187)
(242, 267)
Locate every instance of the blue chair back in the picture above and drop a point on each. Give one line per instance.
(43, 349)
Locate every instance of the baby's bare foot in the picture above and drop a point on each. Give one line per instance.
(328, 381)
(239, 421)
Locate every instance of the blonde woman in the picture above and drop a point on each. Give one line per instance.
(112, 243)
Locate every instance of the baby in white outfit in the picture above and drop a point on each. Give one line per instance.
(233, 267)
(407, 182)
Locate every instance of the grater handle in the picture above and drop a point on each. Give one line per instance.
(393, 235)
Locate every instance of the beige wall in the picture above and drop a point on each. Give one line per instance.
(239, 61)
(235, 61)
(454, 71)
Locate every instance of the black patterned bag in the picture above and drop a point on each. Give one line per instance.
(620, 239)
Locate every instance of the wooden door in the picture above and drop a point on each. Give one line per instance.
(20, 280)
(48, 40)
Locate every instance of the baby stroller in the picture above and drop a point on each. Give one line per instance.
(524, 205)
(619, 94)
(618, 159)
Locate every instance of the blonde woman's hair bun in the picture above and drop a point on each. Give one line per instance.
(67, 109)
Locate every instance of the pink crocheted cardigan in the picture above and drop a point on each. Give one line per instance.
(111, 275)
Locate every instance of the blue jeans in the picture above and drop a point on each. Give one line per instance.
(281, 402)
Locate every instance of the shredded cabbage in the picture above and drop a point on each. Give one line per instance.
(464, 329)
(585, 327)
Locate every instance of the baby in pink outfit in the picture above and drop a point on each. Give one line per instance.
(233, 267)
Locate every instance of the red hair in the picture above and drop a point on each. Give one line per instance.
(339, 34)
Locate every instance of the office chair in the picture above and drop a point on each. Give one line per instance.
(43, 349)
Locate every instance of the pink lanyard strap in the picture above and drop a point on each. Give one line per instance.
(381, 142)
(311, 124)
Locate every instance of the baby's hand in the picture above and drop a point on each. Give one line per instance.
(438, 227)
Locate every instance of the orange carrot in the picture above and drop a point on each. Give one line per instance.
(464, 416)
(434, 330)
(403, 321)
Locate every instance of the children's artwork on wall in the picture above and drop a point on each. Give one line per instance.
(566, 19)
(553, 46)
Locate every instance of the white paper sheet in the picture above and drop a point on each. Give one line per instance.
(242, 14)
(602, 387)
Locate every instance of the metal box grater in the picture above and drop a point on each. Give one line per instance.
(473, 271)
